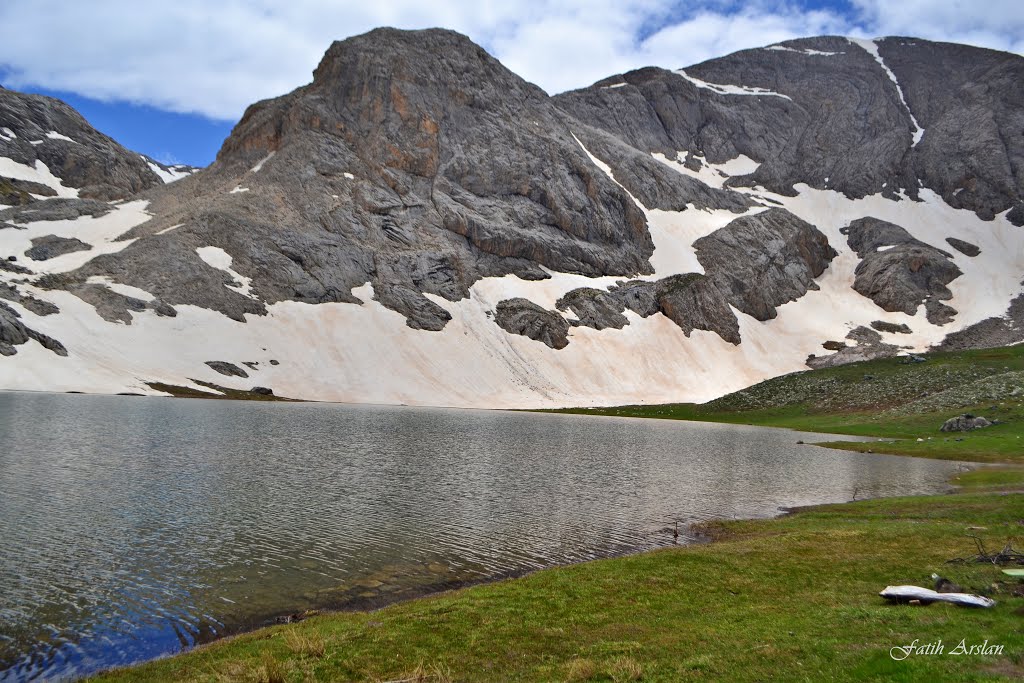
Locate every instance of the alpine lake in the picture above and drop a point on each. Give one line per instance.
(137, 527)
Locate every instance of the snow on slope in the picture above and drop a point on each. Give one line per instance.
(169, 174)
(36, 174)
(100, 233)
(730, 89)
(367, 353)
(804, 51)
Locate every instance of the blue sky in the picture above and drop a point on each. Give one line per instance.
(170, 79)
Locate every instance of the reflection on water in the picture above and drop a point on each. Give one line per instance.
(135, 527)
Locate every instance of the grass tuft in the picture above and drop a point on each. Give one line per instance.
(582, 670)
(307, 644)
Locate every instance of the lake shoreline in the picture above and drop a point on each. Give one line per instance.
(721, 534)
(696, 533)
(241, 513)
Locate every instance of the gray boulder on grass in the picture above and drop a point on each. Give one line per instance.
(965, 423)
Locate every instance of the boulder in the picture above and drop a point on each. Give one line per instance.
(227, 369)
(522, 316)
(965, 248)
(894, 328)
(965, 423)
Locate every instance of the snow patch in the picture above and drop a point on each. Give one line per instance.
(6, 134)
(238, 189)
(259, 166)
(169, 174)
(349, 176)
(37, 174)
(101, 233)
(221, 260)
(713, 175)
(615, 85)
(126, 290)
(730, 89)
(805, 51)
(54, 135)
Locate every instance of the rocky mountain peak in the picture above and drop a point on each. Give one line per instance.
(447, 64)
(40, 128)
(388, 85)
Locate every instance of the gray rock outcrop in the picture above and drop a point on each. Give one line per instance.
(765, 260)
(17, 192)
(14, 333)
(56, 209)
(594, 308)
(893, 328)
(522, 316)
(45, 248)
(867, 345)
(898, 272)
(227, 369)
(1016, 214)
(697, 302)
(31, 303)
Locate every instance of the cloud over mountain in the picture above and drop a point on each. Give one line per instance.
(215, 58)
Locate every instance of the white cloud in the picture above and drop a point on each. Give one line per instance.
(216, 58)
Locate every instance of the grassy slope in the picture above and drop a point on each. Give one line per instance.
(786, 599)
(886, 399)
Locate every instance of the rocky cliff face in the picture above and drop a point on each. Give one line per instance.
(413, 161)
(420, 225)
(858, 117)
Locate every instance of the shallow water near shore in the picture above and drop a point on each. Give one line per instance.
(136, 527)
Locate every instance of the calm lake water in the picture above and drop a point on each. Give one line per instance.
(135, 527)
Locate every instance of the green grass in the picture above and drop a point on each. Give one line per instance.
(882, 398)
(991, 479)
(793, 598)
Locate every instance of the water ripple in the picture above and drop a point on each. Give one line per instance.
(138, 527)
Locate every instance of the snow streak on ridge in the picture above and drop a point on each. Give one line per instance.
(730, 89)
(871, 47)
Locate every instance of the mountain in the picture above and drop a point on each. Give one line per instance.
(420, 225)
